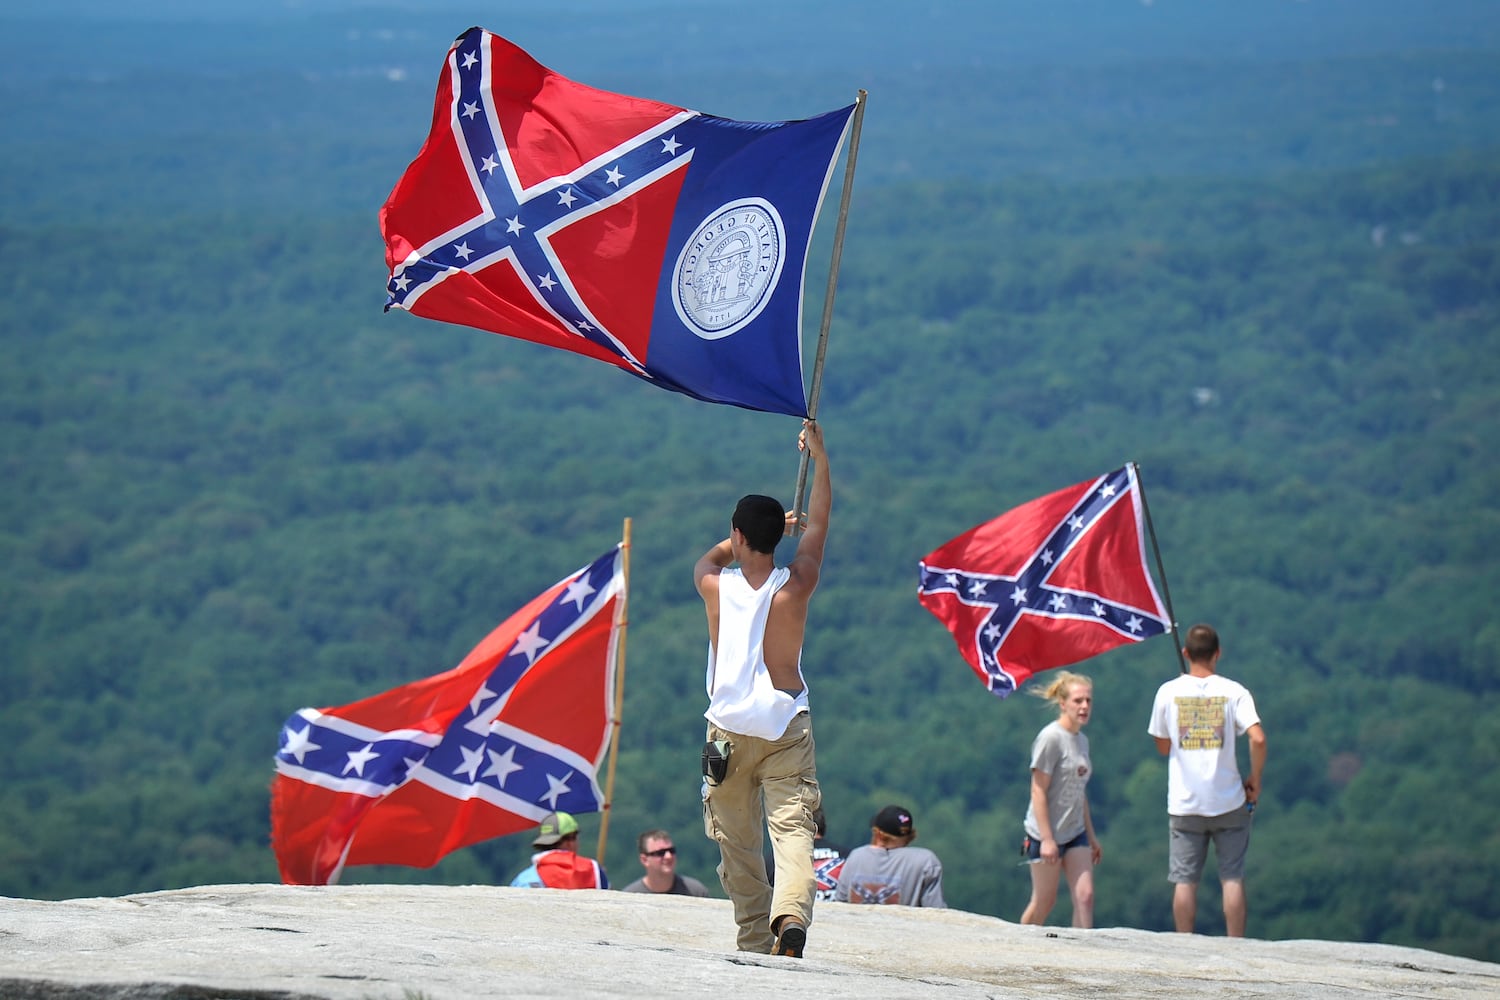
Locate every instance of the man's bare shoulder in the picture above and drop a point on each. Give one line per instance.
(707, 582)
(808, 570)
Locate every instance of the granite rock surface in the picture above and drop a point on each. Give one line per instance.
(388, 942)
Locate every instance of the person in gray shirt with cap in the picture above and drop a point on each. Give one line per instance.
(888, 869)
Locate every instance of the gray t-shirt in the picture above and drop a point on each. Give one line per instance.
(682, 885)
(1064, 757)
(910, 876)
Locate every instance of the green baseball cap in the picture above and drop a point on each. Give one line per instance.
(555, 826)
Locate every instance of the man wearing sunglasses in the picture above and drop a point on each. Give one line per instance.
(659, 858)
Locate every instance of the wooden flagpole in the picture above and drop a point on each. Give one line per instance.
(622, 620)
(833, 281)
(1161, 570)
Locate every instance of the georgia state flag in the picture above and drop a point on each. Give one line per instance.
(667, 242)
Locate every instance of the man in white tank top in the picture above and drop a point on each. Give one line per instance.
(757, 616)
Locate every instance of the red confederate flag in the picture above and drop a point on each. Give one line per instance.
(512, 733)
(1052, 582)
(666, 242)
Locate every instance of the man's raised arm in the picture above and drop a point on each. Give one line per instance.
(808, 562)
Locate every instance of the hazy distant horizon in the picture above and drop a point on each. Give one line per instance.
(785, 32)
(1067, 88)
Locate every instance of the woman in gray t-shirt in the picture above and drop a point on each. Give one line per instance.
(1059, 830)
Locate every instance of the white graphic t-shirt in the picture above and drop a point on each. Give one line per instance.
(1202, 716)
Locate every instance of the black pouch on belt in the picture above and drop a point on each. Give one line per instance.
(715, 760)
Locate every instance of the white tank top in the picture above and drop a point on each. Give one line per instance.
(741, 697)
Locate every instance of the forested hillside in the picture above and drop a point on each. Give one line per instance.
(233, 488)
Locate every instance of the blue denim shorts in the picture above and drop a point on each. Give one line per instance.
(1031, 847)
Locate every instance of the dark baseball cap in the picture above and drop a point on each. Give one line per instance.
(894, 820)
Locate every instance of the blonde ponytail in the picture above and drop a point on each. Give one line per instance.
(1057, 691)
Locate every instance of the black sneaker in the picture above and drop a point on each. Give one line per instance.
(792, 940)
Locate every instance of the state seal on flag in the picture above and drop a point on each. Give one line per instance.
(729, 267)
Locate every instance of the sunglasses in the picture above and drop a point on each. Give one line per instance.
(662, 853)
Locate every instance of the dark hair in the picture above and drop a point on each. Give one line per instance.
(648, 836)
(1201, 644)
(819, 822)
(762, 520)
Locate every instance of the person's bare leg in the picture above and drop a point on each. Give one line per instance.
(1079, 864)
(1234, 907)
(1185, 906)
(1043, 892)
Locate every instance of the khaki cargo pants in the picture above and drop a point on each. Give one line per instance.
(769, 784)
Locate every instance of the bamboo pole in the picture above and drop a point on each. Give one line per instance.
(833, 281)
(1161, 570)
(622, 621)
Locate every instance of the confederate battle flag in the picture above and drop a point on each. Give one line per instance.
(667, 242)
(512, 733)
(1052, 582)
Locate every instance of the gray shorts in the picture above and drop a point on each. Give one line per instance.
(1230, 834)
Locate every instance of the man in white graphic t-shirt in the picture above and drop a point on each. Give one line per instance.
(1195, 720)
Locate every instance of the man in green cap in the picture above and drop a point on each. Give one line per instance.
(558, 865)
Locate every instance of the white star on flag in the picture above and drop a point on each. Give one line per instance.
(529, 642)
(299, 744)
(502, 765)
(577, 592)
(556, 787)
(359, 758)
(472, 760)
(481, 696)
